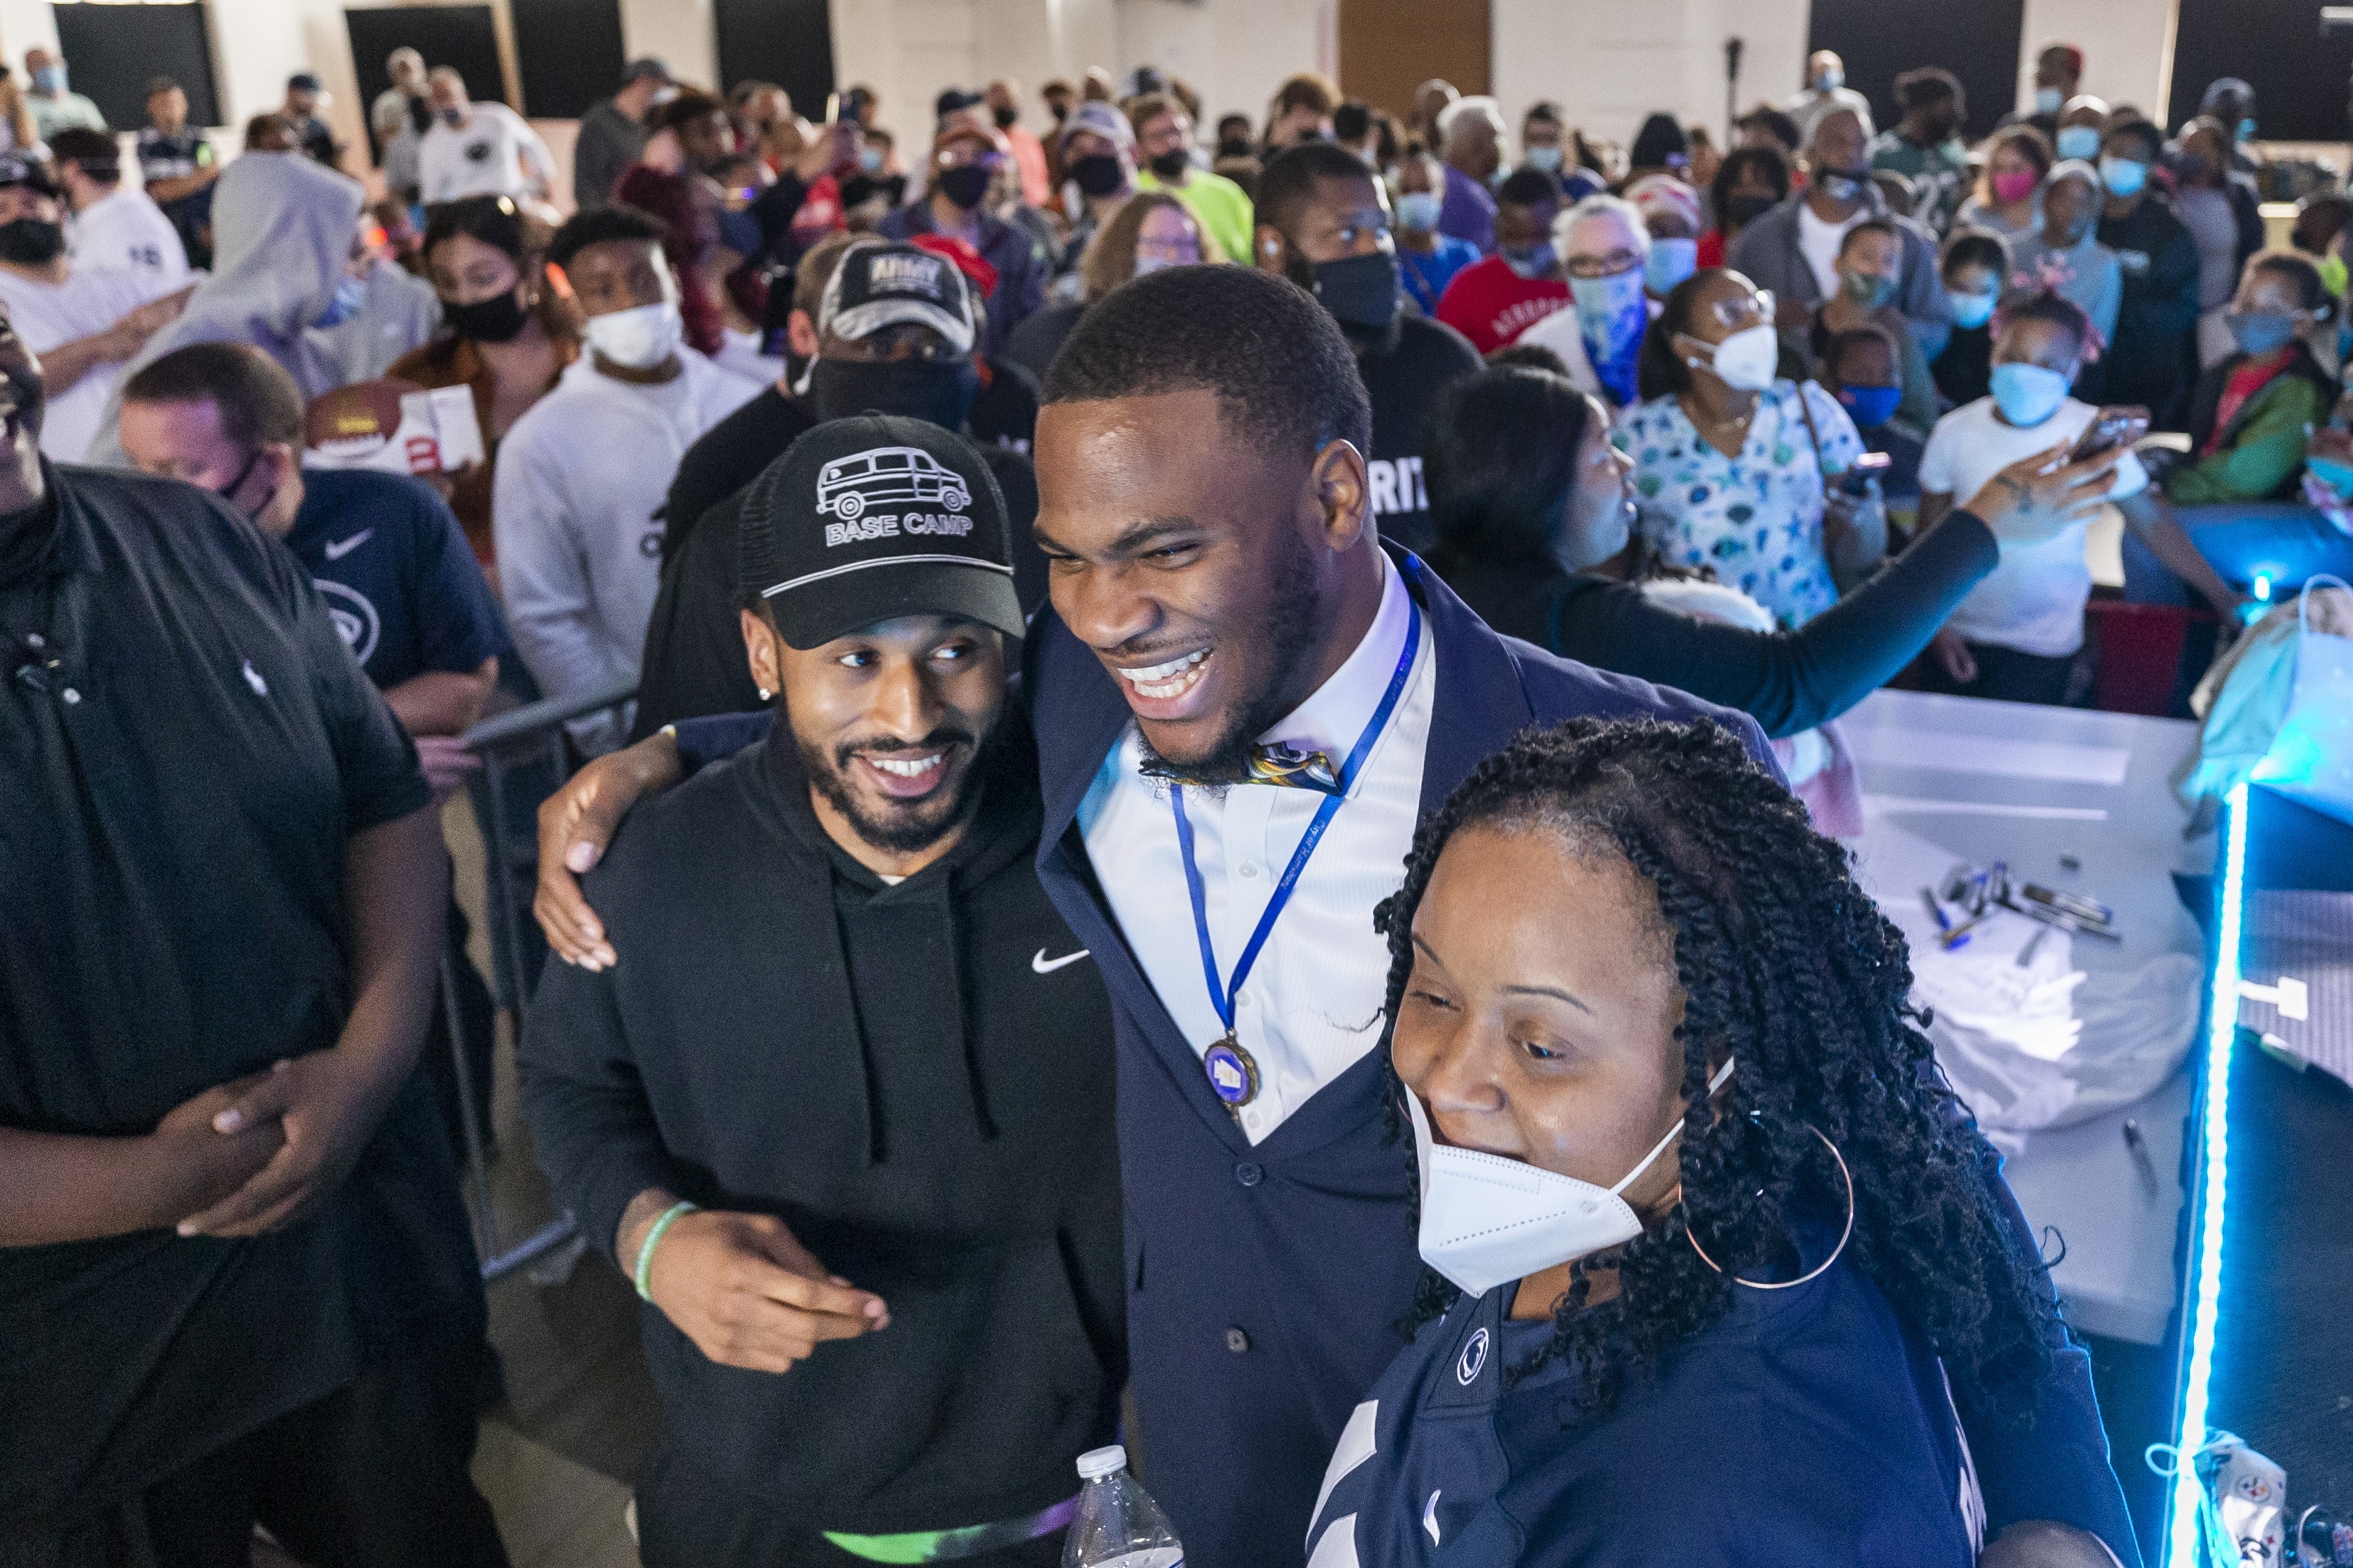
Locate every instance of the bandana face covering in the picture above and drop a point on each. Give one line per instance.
(1611, 316)
(1487, 1220)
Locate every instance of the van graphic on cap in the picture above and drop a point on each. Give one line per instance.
(871, 518)
(847, 486)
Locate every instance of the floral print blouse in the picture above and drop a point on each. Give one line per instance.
(1755, 520)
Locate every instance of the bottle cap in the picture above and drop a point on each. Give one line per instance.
(1097, 1463)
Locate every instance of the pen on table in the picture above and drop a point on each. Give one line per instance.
(2138, 1146)
(1952, 936)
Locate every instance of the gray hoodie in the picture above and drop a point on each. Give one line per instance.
(282, 228)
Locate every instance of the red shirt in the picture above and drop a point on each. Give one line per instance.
(1491, 304)
(1711, 248)
(2245, 382)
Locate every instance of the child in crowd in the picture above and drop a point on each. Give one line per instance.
(2249, 415)
(1870, 263)
(1975, 263)
(2014, 638)
(1859, 369)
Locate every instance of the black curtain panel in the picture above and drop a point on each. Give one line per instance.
(2276, 47)
(788, 42)
(112, 52)
(1881, 40)
(461, 36)
(570, 53)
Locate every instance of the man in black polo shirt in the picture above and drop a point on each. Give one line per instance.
(853, 1031)
(387, 559)
(224, 899)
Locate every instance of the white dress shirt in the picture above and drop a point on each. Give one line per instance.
(1311, 1005)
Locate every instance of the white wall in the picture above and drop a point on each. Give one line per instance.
(1611, 63)
(2127, 50)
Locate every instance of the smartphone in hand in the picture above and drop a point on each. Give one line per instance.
(2109, 428)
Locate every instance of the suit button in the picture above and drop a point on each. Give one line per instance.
(1236, 1341)
(1249, 1174)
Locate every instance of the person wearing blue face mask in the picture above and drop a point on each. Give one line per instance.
(2068, 254)
(2015, 636)
(2232, 102)
(2149, 361)
(1975, 263)
(1867, 260)
(2249, 423)
(1826, 89)
(1606, 250)
(1493, 302)
(2080, 125)
(1427, 259)
(2058, 76)
(1860, 368)
(53, 105)
(283, 265)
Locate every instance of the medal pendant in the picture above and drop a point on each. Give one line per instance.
(1233, 1077)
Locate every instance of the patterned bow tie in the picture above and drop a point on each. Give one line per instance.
(1286, 767)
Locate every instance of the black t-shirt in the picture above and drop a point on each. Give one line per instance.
(726, 458)
(396, 574)
(1964, 371)
(1039, 337)
(176, 799)
(1404, 377)
(694, 662)
(2153, 359)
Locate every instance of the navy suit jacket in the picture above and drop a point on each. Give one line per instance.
(1266, 1284)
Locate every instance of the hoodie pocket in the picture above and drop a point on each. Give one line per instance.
(969, 1407)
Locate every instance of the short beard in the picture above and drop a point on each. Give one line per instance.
(904, 830)
(1294, 615)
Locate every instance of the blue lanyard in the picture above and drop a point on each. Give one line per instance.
(1222, 995)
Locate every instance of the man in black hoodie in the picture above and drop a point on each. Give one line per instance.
(844, 1115)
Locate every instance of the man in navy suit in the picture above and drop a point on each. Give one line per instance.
(1243, 702)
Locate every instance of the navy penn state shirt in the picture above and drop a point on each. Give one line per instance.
(394, 569)
(1809, 1429)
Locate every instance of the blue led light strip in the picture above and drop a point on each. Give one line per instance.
(2212, 1189)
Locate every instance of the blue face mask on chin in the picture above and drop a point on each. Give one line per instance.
(350, 294)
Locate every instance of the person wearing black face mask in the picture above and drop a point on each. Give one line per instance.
(503, 337)
(1099, 173)
(1792, 250)
(968, 161)
(894, 332)
(1748, 184)
(1004, 99)
(1323, 223)
(86, 322)
(1163, 135)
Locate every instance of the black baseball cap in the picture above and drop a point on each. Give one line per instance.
(15, 169)
(646, 70)
(872, 518)
(881, 284)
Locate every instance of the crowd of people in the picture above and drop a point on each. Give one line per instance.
(1109, 597)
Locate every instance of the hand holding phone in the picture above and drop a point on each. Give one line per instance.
(2116, 426)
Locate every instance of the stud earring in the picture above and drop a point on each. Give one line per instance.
(765, 694)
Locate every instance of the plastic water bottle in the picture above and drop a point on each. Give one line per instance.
(1118, 1524)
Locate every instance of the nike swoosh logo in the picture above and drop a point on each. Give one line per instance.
(338, 548)
(1044, 966)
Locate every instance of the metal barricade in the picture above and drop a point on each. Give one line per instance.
(518, 735)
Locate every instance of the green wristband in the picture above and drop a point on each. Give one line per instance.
(646, 1247)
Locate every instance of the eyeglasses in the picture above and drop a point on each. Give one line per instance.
(970, 157)
(1622, 259)
(1735, 314)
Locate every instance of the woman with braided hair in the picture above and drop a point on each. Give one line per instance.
(1715, 1259)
